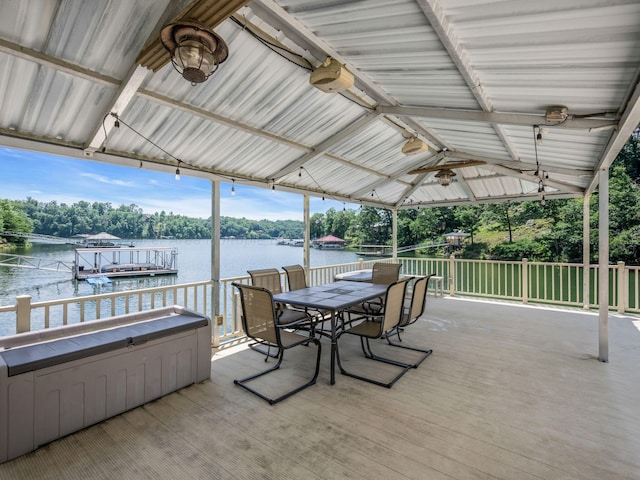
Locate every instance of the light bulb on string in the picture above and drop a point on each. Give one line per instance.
(233, 188)
(178, 174)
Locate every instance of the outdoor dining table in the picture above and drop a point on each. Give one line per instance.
(333, 297)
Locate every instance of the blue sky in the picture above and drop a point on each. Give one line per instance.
(47, 177)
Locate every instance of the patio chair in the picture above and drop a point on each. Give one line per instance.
(259, 320)
(269, 278)
(367, 330)
(297, 280)
(411, 313)
(383, 274)
(295, 277)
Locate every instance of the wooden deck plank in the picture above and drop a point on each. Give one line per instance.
(509, 392)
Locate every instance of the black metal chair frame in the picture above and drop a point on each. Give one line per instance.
(275, 333)
(411, 315)
(381, 324)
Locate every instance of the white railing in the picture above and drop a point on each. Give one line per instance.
(53, 313)
(537, 282)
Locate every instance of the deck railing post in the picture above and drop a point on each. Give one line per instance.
(23, 313)
(452, 275)
(525, 280)
(216, 319)
(623, 288)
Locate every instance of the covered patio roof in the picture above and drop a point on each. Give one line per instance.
(475, 81)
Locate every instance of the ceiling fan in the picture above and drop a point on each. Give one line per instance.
(445, 171)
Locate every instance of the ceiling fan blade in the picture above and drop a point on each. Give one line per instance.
(450, 166)
(432, 168)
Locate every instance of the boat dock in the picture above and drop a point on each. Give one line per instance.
(379, 251)
(124, 262)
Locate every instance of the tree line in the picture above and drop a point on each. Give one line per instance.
(129, 221)
(507, 231)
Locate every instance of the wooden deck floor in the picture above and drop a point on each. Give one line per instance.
(510, 392)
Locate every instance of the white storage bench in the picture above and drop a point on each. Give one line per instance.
(54, 382)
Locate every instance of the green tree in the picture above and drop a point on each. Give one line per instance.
(466, 218)
(14, 219)
(316, 225)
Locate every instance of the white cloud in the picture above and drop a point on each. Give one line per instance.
(103, 179)
(48, 178)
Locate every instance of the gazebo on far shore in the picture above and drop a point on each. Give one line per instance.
(330, 242)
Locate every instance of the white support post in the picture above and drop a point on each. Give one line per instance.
(23, 313)
(215, 261)
(452, 275)
(622, 288)
(525, 280)
(603, 266)
(307, 236)
(394, 233)
(586, 256)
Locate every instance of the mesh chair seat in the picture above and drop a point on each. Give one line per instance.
(287, 316)
(366, 329)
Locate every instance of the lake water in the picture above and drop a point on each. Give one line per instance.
(194, 264)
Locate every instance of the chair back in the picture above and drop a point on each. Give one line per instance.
(393, 305)
(295, 277)
(268, 278)
(418, 301)
(258, 313)
(385, 273)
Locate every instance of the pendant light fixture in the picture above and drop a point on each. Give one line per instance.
(445, 177)
(196, 51)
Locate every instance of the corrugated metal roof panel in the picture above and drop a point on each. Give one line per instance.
(62, 65)
(47, 103)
